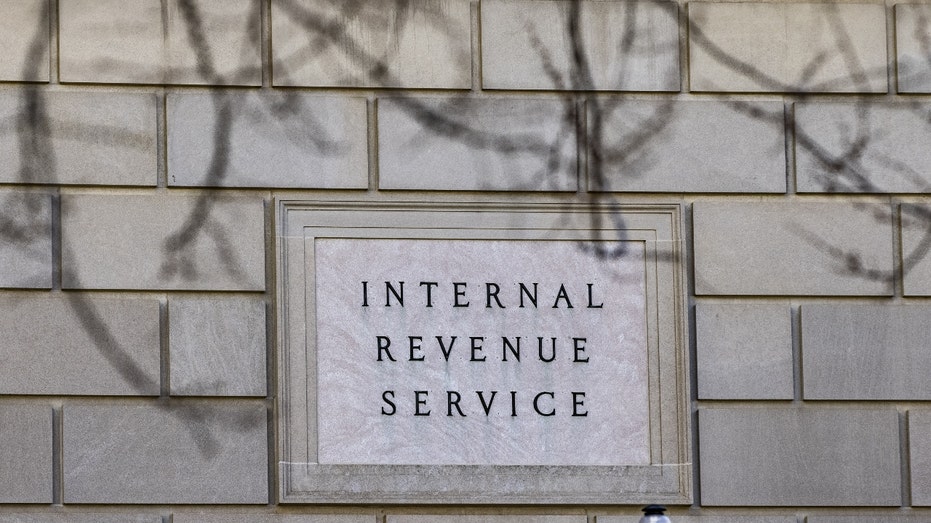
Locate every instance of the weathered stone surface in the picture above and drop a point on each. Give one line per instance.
(83, 517)
(792, 248)
(703, 519)
(25, 240)
(90, 138)
(744, 351)
(213, 42)
(217, 346)
(779, 47)
(193, 517)
(784, 457)
(884, 518)
(24, 38)
(162, 241)
(182, 453)
(381, 43)
(502, 144)
(486, 519)
(868, 352)
(919, 438)
(25, 454)
(916, 226)
(79, 345)
(866, 147)
(670, 146)
(629, 46)
(912, 40)
(267, 140)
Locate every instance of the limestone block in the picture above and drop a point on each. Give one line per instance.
(194, 517)
(912, 41)
(919, 438)
(25, 454)
(485, 519)
(24, 39)
(793, 248)
(627, 46)
(786, 457)
(916, 249)
(25, 240)
(670, 146)
(82, 517)
(884, 518)
(90, 138)
(703, 519)
(267, 140)
(785, 47)
(211, 42)
(376, 43)
(171, 453)
(217, 346)
(79, 345)
(468, 144)
(865, 147)
(866, 352)
(744, 351)
(162, 241)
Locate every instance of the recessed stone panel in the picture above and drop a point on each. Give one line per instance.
(485, 519)
(423, 44)
(629, 46)
(912, 37)
(25, 240)
(202, 517)
(703, 519)
(83, 517)
(787, 47)
(919, 438)
(420, 362)
(916, 249)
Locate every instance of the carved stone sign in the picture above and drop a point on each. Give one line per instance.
(481, 345)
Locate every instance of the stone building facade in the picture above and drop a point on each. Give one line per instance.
(149, 148)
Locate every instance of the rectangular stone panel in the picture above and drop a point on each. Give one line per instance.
(913, 46)
(862, 147)
(800, 248)
(485, 519)
(787, 47)
(422, 44)
(797, 457)
(744, 351)
(468, 144)
(24, 39)
(25, 240)
(190, 453)
(267, 140)
(425, 344)
(82, 517)
(919, 439)
(163, 241)
(883, 518)
(672, 146)
(217, 346)
(866, 352)
(79, 345)
(916, 249)
(205, 42)
(703, 519)
(89, 138)
(25, 453)
(628, 46)
(197, 517)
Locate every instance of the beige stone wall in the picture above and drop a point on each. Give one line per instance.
(144, 145)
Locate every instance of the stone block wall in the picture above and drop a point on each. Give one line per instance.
(145, 143)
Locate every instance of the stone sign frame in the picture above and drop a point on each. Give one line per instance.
(302, 480)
